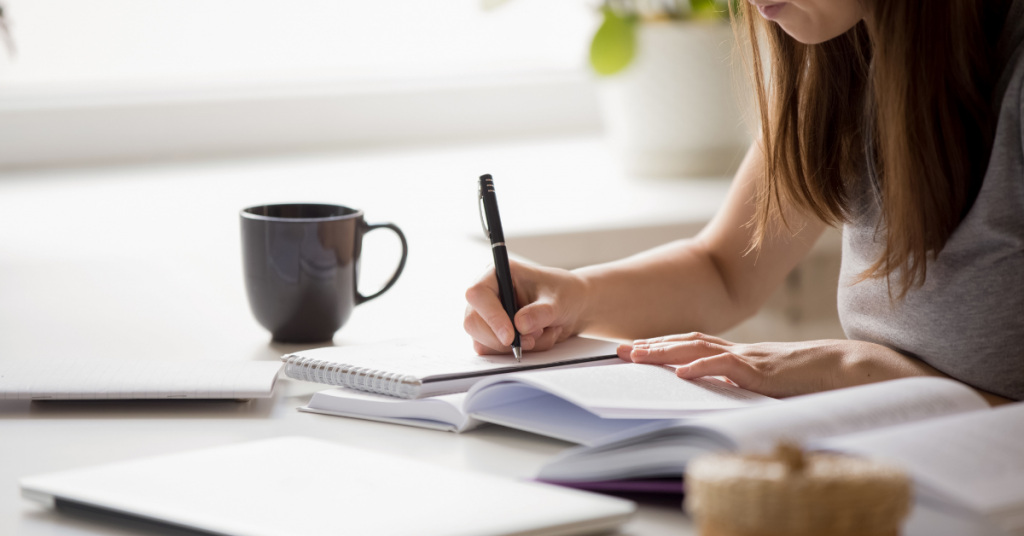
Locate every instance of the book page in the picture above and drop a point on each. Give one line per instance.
(844, 411)
(976, 459)
(633, 391)
(76, 379)
(440, 358)
(522, 407)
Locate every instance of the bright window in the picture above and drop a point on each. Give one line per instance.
(64, 44)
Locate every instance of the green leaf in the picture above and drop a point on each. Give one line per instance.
(614, 43)
(710, 9)
(702, 6)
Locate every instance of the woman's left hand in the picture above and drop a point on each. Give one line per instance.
(777, 369)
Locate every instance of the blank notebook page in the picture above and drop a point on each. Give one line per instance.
(76, 379)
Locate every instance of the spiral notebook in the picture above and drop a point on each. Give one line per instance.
(417, 368)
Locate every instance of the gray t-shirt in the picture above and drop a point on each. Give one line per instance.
(967, 320)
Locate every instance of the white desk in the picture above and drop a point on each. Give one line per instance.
(144, 263)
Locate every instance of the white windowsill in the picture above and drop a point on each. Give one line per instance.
(102, 124)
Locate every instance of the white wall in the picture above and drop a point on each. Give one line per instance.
(102, 80)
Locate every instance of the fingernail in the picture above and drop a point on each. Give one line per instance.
(681, 371)
(527, 342)
(504, 335)
(640, 352)
(525, 324)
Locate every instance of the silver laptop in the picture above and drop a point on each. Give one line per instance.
(297, 485)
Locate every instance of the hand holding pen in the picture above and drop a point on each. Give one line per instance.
(551, 298)
(491, 222)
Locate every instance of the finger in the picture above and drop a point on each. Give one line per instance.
(693, 345)
(527, 340)
(623, 351)
(535, 316)
(678, 353)
(489, 279)
(524, 281)
(547, 340)
(683, 337)
(481, 332)
(520, 276)
(484, 301)
(725, 364)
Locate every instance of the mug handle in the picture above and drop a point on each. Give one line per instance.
(401, 264)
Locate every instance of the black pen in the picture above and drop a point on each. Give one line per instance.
(491, 222)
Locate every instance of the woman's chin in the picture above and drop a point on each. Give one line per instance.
(807, 36)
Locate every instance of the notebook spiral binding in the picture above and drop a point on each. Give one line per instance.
(360, 378)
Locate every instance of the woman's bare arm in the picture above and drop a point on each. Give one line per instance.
(707, 283)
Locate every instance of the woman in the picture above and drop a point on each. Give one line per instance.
(900, 121)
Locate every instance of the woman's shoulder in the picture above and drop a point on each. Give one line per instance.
(1008, 96)
(1004, 179)
(1013, 95)
(1010, 58)
(1009, 106)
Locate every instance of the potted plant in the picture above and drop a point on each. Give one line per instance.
(672, 96)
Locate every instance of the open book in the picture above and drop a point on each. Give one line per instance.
(968, 463)
(417, 368)
(665, 449)
(580, 405)
(966, 460)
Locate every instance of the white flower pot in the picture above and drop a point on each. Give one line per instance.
(678, 108)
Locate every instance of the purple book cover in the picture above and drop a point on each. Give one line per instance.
(671, 486)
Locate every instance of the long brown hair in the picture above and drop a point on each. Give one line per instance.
(904, 101)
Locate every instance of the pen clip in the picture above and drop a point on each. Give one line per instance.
(480, 210)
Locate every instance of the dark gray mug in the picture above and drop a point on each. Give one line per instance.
(301, 266)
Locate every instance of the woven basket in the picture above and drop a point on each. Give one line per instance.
(791, 493)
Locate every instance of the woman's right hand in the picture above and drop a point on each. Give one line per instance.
(551, 305)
